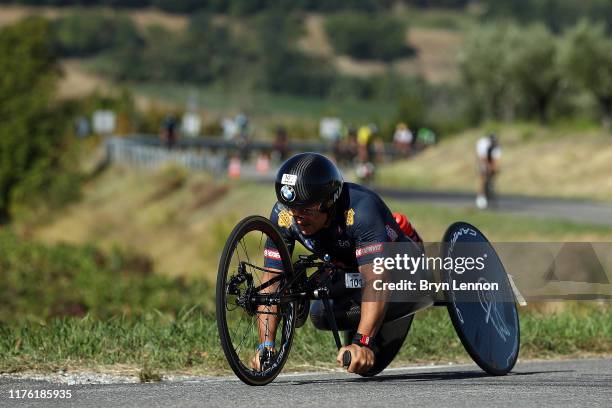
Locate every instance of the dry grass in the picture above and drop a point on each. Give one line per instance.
(553, 162)
(148, 17)
(77, 82)
(315, 41)
(181, 226)
(143, 18)
(436, 54)
(350, 66)
(10, 14)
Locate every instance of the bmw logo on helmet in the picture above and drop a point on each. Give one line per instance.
(288, 193)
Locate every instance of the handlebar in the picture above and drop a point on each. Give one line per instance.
(346, 358)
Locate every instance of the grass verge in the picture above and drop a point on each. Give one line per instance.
(154, 344)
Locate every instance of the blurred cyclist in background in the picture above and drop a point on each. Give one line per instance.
(168, 132)
(366, 136)
(281, 143)
(402, 139)
(488, 153)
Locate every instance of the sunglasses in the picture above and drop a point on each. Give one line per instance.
(305, 212)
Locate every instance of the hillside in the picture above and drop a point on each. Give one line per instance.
(571, 163)
(433, 34)
(180, 220)
(143, 18)
(435, 47)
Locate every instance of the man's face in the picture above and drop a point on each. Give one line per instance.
(310, 219)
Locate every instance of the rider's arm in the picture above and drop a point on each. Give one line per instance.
(372, 224)
(373, 305)
(272, 261)
(373, 308)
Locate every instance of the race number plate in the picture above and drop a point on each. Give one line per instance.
(353, 281)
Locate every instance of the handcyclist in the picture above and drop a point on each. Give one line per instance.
(344, 220)
(488, 153)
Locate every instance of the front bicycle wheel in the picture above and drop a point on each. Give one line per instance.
(243, 320)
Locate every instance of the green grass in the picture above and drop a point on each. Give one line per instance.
(432, 221)
(439, 18)
(40, 282)
(153, 344)
(272, 106)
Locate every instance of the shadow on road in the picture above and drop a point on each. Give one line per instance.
(418, 377)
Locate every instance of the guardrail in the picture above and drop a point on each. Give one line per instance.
(211, 154)
(133, 152)
(218, 143)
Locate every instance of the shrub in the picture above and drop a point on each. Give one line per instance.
(34, 164)
(87, 33)
(366, 36)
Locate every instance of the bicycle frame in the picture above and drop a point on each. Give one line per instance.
(300, 267)
(285, 295)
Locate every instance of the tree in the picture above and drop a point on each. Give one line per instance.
(364, 36)
(483, 65)
(87, 33)
(532, 69)
(510, 71)
(586, 60)
(556, 14)
(31, 134)
(283, 69)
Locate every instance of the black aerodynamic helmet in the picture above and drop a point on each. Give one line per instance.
(306, 179)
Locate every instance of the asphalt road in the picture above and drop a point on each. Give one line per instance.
(571, 210)
(570, 383)
(578, 211)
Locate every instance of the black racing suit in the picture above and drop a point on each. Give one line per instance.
(360, 223)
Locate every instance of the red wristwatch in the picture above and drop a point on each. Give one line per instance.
(362, 340)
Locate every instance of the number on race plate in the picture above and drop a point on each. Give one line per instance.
(353, 281)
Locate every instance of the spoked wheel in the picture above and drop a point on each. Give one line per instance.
(242, 283)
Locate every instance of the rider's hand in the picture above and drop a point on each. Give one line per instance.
(362, 358)
(256, 361)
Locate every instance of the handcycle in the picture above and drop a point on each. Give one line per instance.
(486, 322)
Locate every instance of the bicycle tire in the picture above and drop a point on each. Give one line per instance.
(287, 322)
(467, 340)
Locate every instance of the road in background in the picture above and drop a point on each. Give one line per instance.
(145, 152)
(570, 210)
(578, 211)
